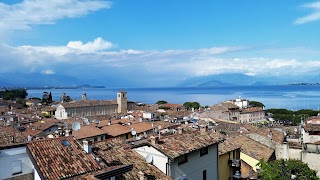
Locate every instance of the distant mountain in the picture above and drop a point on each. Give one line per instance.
(242, 79)
(37, 80)
(223, 79)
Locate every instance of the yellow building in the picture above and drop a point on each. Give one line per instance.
(229, 159)
(48, 111)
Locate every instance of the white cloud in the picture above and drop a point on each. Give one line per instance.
(23, 15)
(48, 72)
(314, 16)
(89, 59)
(96, 45)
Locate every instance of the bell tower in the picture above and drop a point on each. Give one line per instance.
(122, 101)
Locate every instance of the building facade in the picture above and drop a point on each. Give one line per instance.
(85, 107)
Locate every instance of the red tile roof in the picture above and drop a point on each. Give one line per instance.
(253, 148)
(179, 144)
(115, 150)
(89, 103)
(88, 131)
(116, 130)
(227, 146)
(57, 161)
(7, 134)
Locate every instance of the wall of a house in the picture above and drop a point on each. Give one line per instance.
(159, 159)
(193, 169)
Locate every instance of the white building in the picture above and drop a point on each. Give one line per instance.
(241, 103)
(191, 155)
(149, 115)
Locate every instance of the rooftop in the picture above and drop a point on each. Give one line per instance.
(179, 144)
(124, 155)
(89, 103)
(251, 109)
(116, 130)
(88, 131)
(227, 146)
(253, 148)
(10, 136)
(55, 160)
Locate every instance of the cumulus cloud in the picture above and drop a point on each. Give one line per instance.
(314, 16)
(89, 60)
(23, 15)
(96, 45)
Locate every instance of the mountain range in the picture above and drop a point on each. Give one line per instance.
(37, 79)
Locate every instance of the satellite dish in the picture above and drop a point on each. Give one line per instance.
(76, 126)
(149, 158)
(133, 132)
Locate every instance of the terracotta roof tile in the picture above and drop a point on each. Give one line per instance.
(57, 161)
(116, 130)
(227, 146)
(179, 144)
(88, 131)
(115, 150)
(253, 148)
(7, 134)
(89, 103)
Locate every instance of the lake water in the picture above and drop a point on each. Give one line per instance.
(289, 97)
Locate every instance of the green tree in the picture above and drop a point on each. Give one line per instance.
(256, 104)
(161, 102)
(190, 105)
(286, 170)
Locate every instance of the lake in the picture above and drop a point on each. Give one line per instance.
(286, 96)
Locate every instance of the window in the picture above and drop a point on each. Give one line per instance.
(95, 139)
(204, 174)
(182, 159)
(16, 167)
(203, 151)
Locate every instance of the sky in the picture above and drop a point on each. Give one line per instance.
(159, 43)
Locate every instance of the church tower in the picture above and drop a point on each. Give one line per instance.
(84, 96)
(122, 102)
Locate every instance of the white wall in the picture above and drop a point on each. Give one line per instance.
(7, 156)
(36, 175)
(60, 112)
(159, 159)
(195, 166)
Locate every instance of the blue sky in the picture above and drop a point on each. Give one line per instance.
(158, 40)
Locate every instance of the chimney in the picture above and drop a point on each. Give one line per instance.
(179, 130)
(202, 129)
(87, 146)
(141, 175)
(153, 140)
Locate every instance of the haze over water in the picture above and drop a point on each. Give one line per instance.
(289, 97)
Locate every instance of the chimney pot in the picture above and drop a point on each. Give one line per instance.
(141, 175)
(153, 140)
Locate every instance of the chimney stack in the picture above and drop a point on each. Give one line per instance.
(179, 130)
(202, 129)
(141, 175)
(153, 140)
(87, 146)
